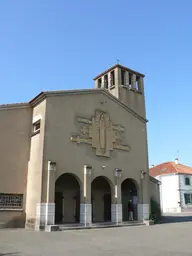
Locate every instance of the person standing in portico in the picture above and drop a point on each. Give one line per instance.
(130, 210)
(134, 199)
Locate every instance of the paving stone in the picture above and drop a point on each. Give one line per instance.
(158, 240)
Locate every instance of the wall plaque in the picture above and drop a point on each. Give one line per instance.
(101, 134)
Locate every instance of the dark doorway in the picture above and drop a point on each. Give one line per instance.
(101, 200)
(67, 199)
(107, 207)
(58, 207)
(129, 192)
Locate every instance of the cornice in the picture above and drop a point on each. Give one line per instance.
(14, 106)
(118, 66)
(154, 180)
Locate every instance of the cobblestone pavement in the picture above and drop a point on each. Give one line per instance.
(165, 239)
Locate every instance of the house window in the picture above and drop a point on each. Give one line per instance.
(188, 198)
(11, 201)
(187, 181)
(36, 126)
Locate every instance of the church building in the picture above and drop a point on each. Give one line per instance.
(76, 156)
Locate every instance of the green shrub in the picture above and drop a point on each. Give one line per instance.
(155, 211)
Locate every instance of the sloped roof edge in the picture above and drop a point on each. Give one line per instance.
(42, 95)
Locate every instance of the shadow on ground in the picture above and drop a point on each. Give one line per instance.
(10, 253)
(176, 219)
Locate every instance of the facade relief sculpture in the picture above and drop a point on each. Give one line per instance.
(101, 134)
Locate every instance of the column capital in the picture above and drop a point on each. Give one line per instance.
(87, 169)
(127, 78)
(87, 166)
(51, 166)
(133, 81)
(117, 172)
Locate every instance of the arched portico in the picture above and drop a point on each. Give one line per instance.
(67, 199)
(101, 199)
(129, 192)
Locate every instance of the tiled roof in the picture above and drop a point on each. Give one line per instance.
(169, 167)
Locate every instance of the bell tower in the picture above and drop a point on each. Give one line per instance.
(125, 84)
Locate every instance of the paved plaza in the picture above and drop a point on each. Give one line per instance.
(165, 239)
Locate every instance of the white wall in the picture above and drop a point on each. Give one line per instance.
(169, 193)
(185, 189)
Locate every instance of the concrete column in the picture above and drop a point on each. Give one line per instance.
(85, 206)
(140, 84)
(133, 81)
(117, 77)
(45, 212)
(50, 207)
(109, 80)
(143, 212)
(143, 207)
(102, 82)
(116, 207)
(40, 216)
(127, 78)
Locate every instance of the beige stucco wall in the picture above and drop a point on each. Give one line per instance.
(15, 128)
(61, 123)
(35, 167)
(155, 191)
(133, 99)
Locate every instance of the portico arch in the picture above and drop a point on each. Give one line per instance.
(129, 192)
(101, 199)
(67, 199)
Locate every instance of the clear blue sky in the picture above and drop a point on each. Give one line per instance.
(57, 44)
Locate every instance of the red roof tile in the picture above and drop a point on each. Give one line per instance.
(169, 167)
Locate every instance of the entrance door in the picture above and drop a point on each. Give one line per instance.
(69, 208)
(77, 212)
(58, 207)
(101, 199)
(67, 199)
(107, 207)
(129, 193)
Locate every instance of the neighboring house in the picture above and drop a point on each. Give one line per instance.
(176, 186)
